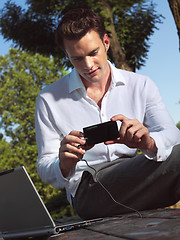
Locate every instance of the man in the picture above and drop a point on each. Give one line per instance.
(117, 179)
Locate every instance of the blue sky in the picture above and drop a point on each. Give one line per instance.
(163, 63)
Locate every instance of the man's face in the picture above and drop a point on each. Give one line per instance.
(89, 56)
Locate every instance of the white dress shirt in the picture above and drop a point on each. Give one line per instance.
(64, 106)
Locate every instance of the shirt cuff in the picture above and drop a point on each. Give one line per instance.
(163, 151)
(59, 176)
(150, 155)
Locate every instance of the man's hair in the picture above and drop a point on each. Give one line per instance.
(76, 23)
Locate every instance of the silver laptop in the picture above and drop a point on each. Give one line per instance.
(22, 211)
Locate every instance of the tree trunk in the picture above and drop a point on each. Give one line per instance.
(119, 58)
(175, 9)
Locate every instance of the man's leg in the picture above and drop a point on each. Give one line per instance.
(136, 182)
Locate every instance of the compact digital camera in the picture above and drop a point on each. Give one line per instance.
(101, 133)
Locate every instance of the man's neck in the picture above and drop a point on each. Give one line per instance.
(97, 90)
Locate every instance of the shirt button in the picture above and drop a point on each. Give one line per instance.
(102, 114)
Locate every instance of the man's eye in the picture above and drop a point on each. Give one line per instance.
(94, 53)
(77, 59)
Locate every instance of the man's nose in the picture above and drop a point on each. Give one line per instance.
(88, 63)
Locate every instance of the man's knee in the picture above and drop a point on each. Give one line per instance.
(172, 163)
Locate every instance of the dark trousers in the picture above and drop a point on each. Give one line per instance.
(138, 183)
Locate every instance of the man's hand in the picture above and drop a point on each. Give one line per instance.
(71, 151)
(133, 134)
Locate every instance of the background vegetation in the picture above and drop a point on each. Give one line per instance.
(130, 23)
(22, 76)
(36, 62)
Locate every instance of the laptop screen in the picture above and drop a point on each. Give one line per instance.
(21, 208)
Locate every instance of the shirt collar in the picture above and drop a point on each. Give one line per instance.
(116, 75)
(75, 81)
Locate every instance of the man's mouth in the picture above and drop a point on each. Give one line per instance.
(93, 72)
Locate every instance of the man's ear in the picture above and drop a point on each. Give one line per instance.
(106, 42)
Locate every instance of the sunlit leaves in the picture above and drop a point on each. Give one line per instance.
(22, 76)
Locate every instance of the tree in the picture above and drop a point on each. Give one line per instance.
(130, 23)
(175, 9)
(22, 76)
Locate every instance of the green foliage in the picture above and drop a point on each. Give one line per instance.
(22, 76)
(134, 28)
(33, 28)
(59, 207)
(178, 125)
(7, 155)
